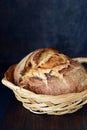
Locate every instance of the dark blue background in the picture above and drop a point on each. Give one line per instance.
(29, 24)
(26, 25)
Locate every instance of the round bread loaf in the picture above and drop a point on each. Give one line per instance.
(47, 71)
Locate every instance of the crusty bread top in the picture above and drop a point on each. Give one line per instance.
(43, 64)
(40, 62)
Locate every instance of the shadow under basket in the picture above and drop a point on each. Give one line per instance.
(46, 104)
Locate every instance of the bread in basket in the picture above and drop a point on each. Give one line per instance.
(47, 81)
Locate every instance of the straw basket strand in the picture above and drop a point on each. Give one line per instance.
(48, 104)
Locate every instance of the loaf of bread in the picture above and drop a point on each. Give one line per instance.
(47, 71)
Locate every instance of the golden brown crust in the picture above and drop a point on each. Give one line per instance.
(9, 74)
(47, 71)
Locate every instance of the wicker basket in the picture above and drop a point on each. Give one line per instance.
(47, 104)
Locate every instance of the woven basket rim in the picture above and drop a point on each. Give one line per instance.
(12, 86)
(53, 104)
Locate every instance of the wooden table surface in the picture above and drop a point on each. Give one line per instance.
(13, 116)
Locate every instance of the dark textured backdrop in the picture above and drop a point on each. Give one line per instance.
(26, 25)
(29, 24)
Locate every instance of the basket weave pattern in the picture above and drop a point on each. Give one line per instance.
(48, 104)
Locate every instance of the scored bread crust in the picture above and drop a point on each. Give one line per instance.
(47, 71)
